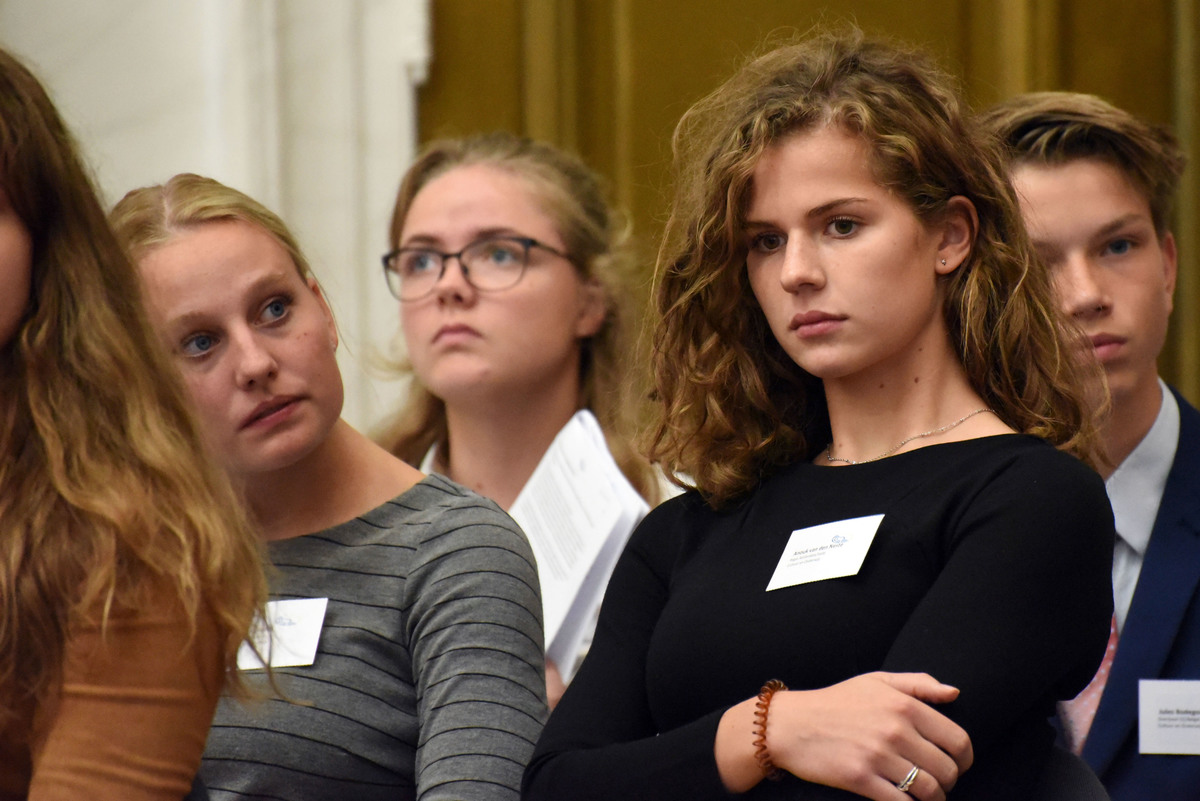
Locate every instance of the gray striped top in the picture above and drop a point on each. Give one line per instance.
(428, 681)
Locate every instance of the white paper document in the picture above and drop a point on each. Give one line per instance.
(291, 638)
(577, 509)
(830, 550)
(1169, 716)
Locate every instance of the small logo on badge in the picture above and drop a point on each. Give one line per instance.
(838, 539)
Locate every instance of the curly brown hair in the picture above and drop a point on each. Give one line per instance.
(733, 406)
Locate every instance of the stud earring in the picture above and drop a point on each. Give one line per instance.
(943, 262)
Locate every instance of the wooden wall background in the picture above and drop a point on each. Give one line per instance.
(608, 79)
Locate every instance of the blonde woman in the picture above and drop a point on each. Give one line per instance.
(859, 361)
(511, 273)
(518, 186)
(427, 677)
(128, 575)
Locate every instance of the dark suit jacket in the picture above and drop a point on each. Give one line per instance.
(1160, 640)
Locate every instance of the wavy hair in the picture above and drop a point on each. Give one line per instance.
(1051, 128)
(106, 497)
(733, 406)
(571, 195)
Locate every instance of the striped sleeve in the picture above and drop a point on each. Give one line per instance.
(475, 631)
(428, 679)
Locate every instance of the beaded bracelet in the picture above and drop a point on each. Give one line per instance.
(761, 754)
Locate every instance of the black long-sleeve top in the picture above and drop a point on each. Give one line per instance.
(990, 571)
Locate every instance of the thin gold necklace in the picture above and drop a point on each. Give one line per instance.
(829, 457)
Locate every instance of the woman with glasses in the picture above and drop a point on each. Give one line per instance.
(421, 598)
(509, 268)
(129, 574)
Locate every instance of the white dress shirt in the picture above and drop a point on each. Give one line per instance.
(1135, 490)
(429, 461)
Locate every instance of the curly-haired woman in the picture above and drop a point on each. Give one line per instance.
(860, 364)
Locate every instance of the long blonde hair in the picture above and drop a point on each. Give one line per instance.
(734, 406)
(572, 197)
(105, 495)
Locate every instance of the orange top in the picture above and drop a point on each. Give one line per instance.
(132, 717)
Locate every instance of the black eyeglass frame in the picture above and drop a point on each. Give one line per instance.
(526, 242)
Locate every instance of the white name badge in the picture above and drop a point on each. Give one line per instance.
(830, 550)
(1168, 716)
(293, 636)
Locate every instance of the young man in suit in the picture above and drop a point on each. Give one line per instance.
(1096, 187)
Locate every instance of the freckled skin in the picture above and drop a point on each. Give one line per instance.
(246, 330)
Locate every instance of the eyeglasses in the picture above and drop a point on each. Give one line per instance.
(489, 264)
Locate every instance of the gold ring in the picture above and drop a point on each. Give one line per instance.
(904, 785)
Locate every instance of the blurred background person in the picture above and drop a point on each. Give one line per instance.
(511, 273)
